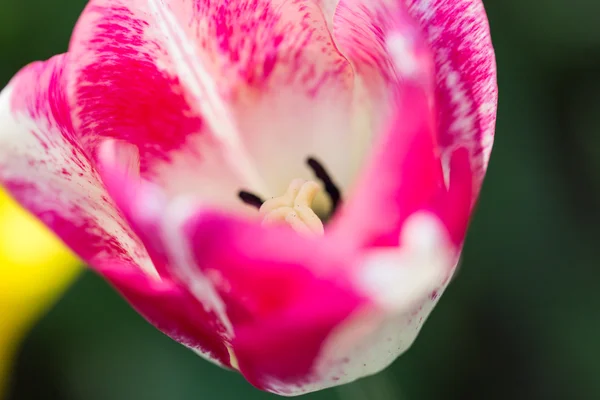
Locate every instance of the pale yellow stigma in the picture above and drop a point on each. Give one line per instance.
(294, 208)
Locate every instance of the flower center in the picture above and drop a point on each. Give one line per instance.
(294, 208)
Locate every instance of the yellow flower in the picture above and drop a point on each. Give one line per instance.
(35, 268)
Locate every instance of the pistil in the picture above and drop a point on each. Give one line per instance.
(294, 208)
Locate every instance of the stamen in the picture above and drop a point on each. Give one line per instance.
(250, 198)
(294, 208)
(330, 187)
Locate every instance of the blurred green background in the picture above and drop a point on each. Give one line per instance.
(522, 319)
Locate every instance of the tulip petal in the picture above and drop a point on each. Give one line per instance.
(135, 82)
(43, 167)
(403, 174)
(360, 29)
(138, 65)
(466, 90)
(309, 314)
(223, 98)
(202, 325)
(434, 154)
(274, 285)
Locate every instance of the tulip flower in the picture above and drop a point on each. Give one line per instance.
(34, 269)
(282, 186)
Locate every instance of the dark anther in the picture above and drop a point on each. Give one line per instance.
(250, 199)
(330, 187)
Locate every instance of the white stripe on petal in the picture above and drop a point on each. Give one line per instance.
(182, 260)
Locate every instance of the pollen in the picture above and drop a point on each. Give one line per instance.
(294, 208)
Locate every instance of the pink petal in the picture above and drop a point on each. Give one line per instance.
(297, 314)
(430, 159)
(284, 296)
(46, 171)
(128, 85)
(403, 174)
(144, 206)
(218, 98)
(300, 318)
(466, 89)
(360, 30)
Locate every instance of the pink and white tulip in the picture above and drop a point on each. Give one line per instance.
(366, 125)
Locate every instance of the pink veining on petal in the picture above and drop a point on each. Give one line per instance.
(227, 67)
(286, 84)
(121, 90)
(44, 168)
(361, 28)
(466, 88)
(127, 85)
(463, 93)
(267, 43)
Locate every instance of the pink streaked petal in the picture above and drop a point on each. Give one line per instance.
(44, 168)
(360, 31)
(311, 314)
(413, 166)
(288, 87)
(403, 172)
(257, 44)
(170, 308)
(285, 295)
(168, 305)
(146, 208)
(337, 127)
(466, 89)
(218, 96)
(128, 85)
(119, 89)
(403, 175)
